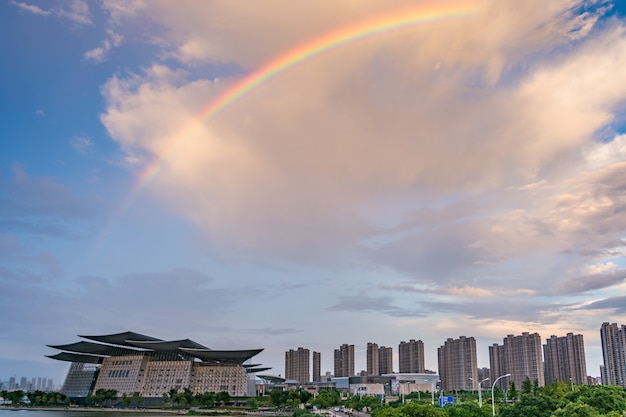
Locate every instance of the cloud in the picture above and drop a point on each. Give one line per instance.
(76, 11)
(99, 54)
(588, 283)
(373, 304)
(30, 8)
(461, 155)
(81, 144)
(616, 304)
(34, 197)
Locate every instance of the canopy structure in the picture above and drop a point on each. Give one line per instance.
(91, 348)
(121, 338)
(222, 356)
(132, 343)
(74, 357)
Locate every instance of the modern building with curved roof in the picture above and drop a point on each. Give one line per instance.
(130, 362)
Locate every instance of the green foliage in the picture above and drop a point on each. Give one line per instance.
(467, 410)
(539, 406)
(526, 386)
(512, 391)
(302, 412)
(327, 398)
(222, 397)
(421, 410)
(603, 398)
(576, 410)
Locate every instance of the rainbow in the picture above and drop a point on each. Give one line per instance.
(360, 30)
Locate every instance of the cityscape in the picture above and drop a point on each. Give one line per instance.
(134, 363)
(384, 197)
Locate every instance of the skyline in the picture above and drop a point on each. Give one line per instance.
(278, 175)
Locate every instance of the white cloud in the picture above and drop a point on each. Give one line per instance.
(31, 8)
(100, 53)
(460, 155)
(81, 144)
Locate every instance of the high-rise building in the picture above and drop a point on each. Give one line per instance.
(317, 367)
(373, 366)
(411, 356)
(385, 360)
(457, 363)
(519, 356)
(344, 360)
(614, 354)
(297, 365)
(564, 359)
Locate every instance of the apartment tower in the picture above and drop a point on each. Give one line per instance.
(344, 361)
(317, 367)
(614, 354)
(297, 365)
(519, 356)
(385, 360)
(457, 363)
(411, 357)
(564, 359)
(373, 364)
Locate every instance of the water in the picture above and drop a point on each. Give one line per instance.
(79, 412)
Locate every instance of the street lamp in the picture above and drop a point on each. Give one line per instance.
(493, 403)
(480, 390)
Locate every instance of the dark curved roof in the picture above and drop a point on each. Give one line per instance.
(253, 370)
(272, 378)
(166, 345)
(229, 356)
(74, 357)
(131, 343)
(251, 365)
(95, 349)
(121, 338)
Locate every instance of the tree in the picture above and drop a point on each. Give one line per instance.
(278, 397)
(125, 400)
(603, 398)
(421, 410)
(223, 397)
(527, 386)
(305, 395)
(252, 403)
(540, 406)
(512, 391)
(576, 410)
(467, 410)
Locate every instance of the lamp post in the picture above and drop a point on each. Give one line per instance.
(493, 403)
(480, 390)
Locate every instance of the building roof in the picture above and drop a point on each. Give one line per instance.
(161, 345)
(74, 357)
(131, 343)
(91, 348)
(222, 356)
(121, 338)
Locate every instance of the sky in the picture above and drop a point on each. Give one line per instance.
(280, 174)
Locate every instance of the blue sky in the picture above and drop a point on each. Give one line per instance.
(458, 177)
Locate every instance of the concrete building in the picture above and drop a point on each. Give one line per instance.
(519, 356)
(344, 361)
(411, 357)
(131, 362)
(564, 360)
(373, 365)
(385, 360)
(613, 339)
(317, 367)
(457, 363)
(297, 365)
